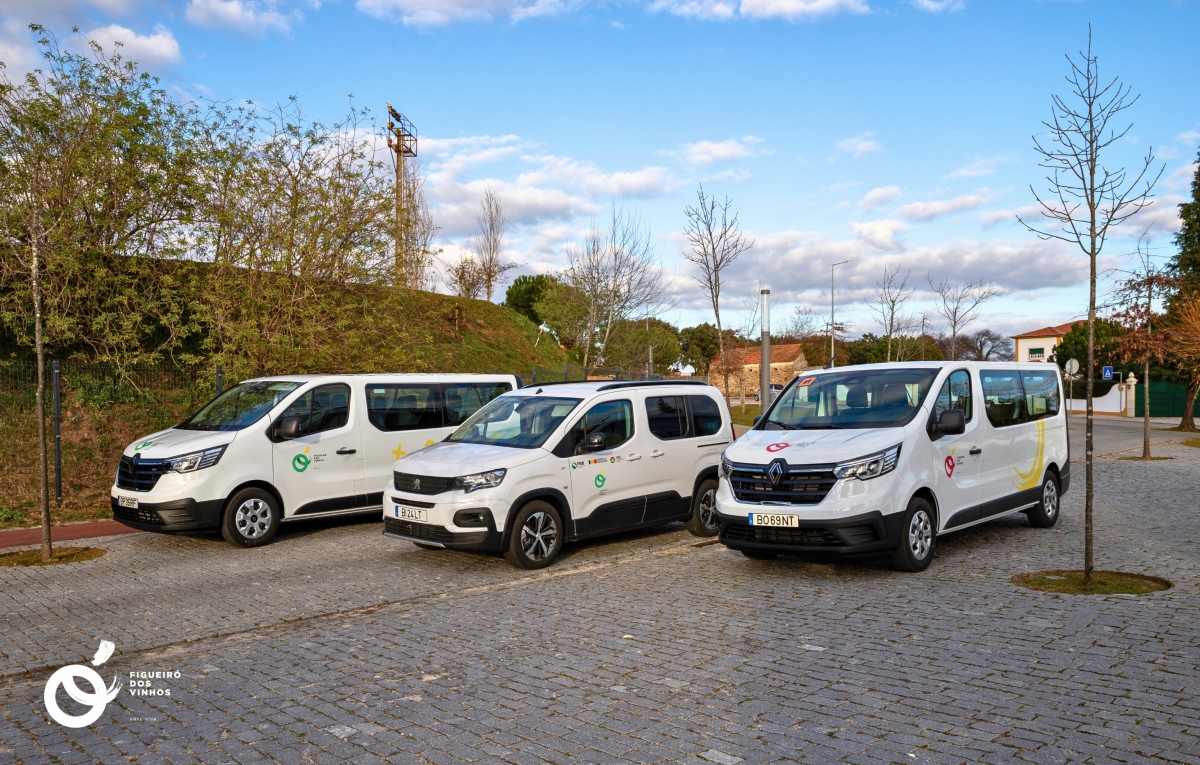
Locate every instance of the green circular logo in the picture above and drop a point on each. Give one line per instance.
(143, 445)
(600, 480)
(300, 463)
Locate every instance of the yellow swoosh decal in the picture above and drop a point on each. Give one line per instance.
(1034, 476)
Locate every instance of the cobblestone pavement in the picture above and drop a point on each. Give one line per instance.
(643, 649)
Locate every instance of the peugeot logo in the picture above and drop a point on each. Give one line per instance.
(775, 472)
(416, 484)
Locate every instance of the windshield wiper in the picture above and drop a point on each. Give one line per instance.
(782, 425)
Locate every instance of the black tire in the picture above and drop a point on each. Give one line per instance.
(759, 554)
(536, 537)
(251, 518)
(424, 546)
(1045, 514)
(918, 537)
(703, 520)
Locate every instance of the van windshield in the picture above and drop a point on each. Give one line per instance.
(239, 407)
(888, 398)
(524, 422)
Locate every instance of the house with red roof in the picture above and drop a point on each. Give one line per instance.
(1039, 344)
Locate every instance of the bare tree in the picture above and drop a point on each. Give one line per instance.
(488, 241)
(986, 345)
(465, 277)
(802, 324)
(415, 267)
(959, 304)
(1085, 198)
(716, 241)
(887, 302)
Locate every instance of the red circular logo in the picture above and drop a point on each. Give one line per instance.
(777, 447)
(949, 467)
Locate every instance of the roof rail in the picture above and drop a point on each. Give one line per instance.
(616, 385)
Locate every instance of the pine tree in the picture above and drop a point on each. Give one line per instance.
(1186, 268)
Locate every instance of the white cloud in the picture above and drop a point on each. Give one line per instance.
(1181, 177)
(937, 6)
(924, 211)
(879, 197)
(880, 234)
(440, 12)
(860, 145)
(246, 16)
(699, 9)
(1028, 212)
(707, 152)
(1189, 136)
(150, 51)
(800, 9)
(979, 167)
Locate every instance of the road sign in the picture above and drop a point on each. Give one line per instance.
(1106, 373)
(1072, 366)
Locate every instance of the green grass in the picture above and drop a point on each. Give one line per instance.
(1103, 582)
(1192, 442)
(747, 419)
(61, 555)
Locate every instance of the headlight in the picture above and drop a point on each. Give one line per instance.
(470, 483)
(196, 460)
(871, 466)
(726, 467)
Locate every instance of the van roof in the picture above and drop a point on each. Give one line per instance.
(383, 377)
(934, 365)
(588, 387)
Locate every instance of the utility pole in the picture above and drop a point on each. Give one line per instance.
(832, 325)
(764, 362)
(402, 139)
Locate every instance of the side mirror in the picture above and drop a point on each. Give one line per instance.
(952, 423)
(289, 427)
(757, 417)
(593, 442)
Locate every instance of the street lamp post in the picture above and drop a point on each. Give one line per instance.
(832, 325)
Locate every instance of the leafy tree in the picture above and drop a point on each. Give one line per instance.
(699, 345)
(1185, 266)
(1074, 343)
(524, 292)
(631, 343)
(565, 310)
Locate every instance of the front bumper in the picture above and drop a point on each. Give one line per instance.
(443, 525)
(869, 533)
(179, 515)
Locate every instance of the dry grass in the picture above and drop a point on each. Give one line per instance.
(1103, 582)
(61, 555)
(1192, 442)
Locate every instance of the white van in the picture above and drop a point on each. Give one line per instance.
(552, 463)
(872, 459)
(275, 449)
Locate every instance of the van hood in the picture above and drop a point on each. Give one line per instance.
(454, 459)
(173, 443)
(801, 447)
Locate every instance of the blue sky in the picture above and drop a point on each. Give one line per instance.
(891, 132)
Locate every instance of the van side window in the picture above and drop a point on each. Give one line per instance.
(461, 400)
(1041, 394)
(395, 407)
(612, 418)
(706, 416)
(326, 407)
(1003, 398)
(955, 394)
(667, 416)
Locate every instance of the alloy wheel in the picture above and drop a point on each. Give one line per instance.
(253, 518)
(708, 509)
(537, 536)
(1050, 499)
(920, 535)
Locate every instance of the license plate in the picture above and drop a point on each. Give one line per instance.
(411, 513)
(130, 502)
(775, 519)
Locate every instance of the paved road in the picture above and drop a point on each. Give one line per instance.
(643, 649)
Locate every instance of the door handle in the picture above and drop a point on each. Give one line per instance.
(657, 453)
(975, 450)
(634, 457)
(346, 450)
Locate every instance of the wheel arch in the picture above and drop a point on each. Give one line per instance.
(926, 493)
(702, 476)
(265, 486)
(552, 496)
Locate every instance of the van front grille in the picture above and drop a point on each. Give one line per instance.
(420, 484)
(796, 486)
(136, 515)
(780, 536)
(417, 530)
(137, 474)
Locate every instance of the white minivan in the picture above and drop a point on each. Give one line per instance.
(275, 449)
(551, 463)
(884, 458)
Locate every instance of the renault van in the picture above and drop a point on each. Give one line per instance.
(549, 464)
(885, 458)
(275, 449)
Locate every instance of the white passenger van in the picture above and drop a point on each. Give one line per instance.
(884, 458)
(552, 463)
(280, 448)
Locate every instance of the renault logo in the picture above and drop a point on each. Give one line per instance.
(775, 472)
(416, 484)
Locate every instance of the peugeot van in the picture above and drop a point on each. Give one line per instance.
(553, 463)
(275, 449)
(885, 458)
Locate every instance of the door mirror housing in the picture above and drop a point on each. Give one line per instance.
(951, 423)
(592, 442)
(757, 417)
(289, 427)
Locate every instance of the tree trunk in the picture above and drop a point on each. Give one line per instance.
(1146, 406)
(1087, 437)
(721, 350)
(742, 388)
(1189, 405)
(43, 461)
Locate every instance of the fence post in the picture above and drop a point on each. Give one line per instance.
(57, 374)
(220, 378)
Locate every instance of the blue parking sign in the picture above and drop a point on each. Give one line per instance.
(1106, 373)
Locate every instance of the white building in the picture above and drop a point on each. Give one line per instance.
(1039, 344)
